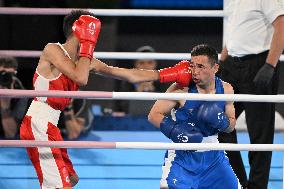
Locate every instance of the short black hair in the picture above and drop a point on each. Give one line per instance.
(70, 18)
(204, 49)
(9, 62)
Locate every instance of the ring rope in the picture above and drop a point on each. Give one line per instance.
(106, 55)
(143, 145)
(18, 93)
(112, 55)
(114, 12)
(115, 95)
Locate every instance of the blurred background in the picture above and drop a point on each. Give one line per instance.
(115, 120)
(119, 34)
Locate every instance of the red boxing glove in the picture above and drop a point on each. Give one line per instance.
(87, 29)
(180, 73)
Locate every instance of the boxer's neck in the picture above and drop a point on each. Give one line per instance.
(207, 89)
(72, 46)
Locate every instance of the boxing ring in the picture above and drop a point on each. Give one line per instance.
(88, 149)
(135, 148)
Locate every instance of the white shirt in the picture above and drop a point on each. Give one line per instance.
(250, 27)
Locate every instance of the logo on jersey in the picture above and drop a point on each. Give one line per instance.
(191, 124)
(220, 115)
(65, 172)
(190, 110)
(175, 180)
(92, 27)
(67, 179)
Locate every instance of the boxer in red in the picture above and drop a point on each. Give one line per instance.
(65, 67)
(60, 67)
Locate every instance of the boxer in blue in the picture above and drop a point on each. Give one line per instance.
(196, 122)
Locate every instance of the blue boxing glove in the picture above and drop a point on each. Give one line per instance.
(212, 114)
(180, 133)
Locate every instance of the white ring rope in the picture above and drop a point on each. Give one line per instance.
(112, 55)
(107, 55)
(114, 12)
(18, 93)
(143, 145)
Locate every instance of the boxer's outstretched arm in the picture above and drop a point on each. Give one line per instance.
(130, 75)
(180, 73)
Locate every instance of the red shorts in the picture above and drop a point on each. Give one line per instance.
(52, 165)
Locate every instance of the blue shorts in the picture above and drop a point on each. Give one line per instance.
(218, 176)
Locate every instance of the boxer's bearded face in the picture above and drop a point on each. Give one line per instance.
(203, 73)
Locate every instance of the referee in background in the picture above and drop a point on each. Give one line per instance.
(254, 43)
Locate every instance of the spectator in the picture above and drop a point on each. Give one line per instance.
(12, 110)
(130, 107)
(76, 119)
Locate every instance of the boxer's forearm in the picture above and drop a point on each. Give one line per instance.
(133, 75)
(138, 75)
(130, 75)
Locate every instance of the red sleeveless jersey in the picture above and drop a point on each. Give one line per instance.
(61, 83)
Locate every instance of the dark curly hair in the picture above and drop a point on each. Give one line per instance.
(206, 50)
(9, 62)
(70, 18)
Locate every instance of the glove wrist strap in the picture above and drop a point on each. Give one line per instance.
(224, 124)
(168, 75)
(87, 49)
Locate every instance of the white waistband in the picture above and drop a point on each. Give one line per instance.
(41, 110)
(210, 139)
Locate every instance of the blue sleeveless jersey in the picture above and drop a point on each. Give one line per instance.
(188, 112)
(198, 161)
